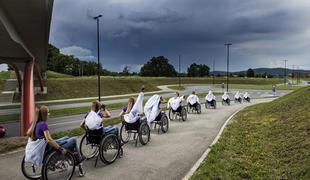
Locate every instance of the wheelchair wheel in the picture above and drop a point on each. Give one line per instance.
(30, 171)
(214, 104)
(164, 124)
(58, 166)
(198, 109)
(109, 149)
(89, 150)
(184, 114)
(188, 109)
(125, 135)
(144, 133)
(207, 105)
(223, 103)
(170, 114)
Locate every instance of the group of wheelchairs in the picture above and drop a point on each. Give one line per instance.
(56, 165)
(141, 131)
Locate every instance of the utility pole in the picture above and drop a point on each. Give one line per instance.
(293, 74)
(98, 56)
(213, 72)
(227, 73)
(179, 71)
(285, 71)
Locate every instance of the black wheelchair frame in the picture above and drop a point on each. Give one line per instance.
(99, 143)
(139, 129)
(182, 114)
(192, 108)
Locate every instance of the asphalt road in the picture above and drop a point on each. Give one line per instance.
(167, 156)
(70, 122)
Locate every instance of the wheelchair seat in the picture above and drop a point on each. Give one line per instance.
(132, 126)
(94, 136)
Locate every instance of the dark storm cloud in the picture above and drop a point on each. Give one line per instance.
(263, 32)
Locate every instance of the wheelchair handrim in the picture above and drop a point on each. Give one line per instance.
(58, 166)
(31, 171)
(87, 149)
(109, 149)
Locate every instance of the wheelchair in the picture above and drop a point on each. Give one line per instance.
(248, 99)
(105, 145)
(210, 104)
(226, 102)
(194, 108)
(181, 112)
(238, 100)
(162, 122)
(55, 166)
(140, 128)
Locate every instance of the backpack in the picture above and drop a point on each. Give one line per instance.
(93, 121)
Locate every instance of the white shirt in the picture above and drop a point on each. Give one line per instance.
(225, 96)
(192, 99)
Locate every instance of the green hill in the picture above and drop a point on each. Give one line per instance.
(265, 141)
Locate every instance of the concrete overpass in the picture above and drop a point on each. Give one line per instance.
(24, 36)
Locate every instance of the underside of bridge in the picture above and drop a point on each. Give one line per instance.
(24, 36)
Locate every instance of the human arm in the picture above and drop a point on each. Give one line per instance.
(52, 142)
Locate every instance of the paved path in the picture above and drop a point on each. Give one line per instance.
(167, 156)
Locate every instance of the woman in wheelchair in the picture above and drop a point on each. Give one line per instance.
(238, 97)
(226, 98)
(41, 145)
(93, 120)
(133, 123)
(39, 130)
(210, 99)
(193, 100)
(246, 97)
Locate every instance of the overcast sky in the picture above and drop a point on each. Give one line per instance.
(263, 32)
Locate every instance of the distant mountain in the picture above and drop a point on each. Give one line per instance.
(269, 71)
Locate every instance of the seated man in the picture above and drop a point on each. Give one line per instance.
(246, 96)
(193, 100)
(210, 98)
(152, 108)
(238, 96)
(226, 98)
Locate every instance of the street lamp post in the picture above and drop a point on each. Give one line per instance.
(227, 73)
(213, 77)
(98, 55)
(179, 71)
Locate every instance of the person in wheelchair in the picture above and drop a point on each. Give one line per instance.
(238, 97)
(210, 99)
(40, 141)
(247, 97)
(152, 108)
(175, 103)
(193, 100)
(94, 119)
(134, 109)
(226, 98)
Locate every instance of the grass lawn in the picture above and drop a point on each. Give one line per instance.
(12, 143)
(5, 75)
(53, 74)
(265, 141)
(2, 84)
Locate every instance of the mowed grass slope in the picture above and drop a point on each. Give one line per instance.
(3, 76)
(265, 141)
(79, 87)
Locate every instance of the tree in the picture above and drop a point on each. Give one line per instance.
(157, 67)
(125, 71)
(198, 70)
(250, 73)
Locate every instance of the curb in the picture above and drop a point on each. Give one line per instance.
(191, 172)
